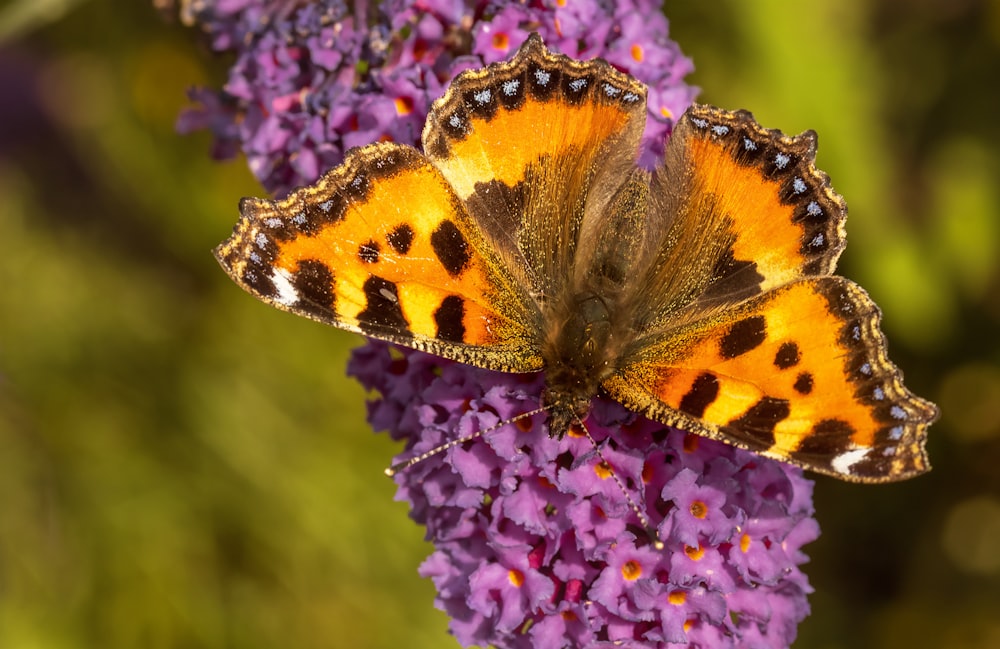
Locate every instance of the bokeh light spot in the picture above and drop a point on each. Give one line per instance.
(970, 535)
(970, 401)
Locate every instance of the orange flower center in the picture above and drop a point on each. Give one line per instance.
(631, 570)
(695, 554)
(602, 470)
(404, 106)
(699, 509)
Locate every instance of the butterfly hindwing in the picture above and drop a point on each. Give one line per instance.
(382, 246)
(798, 373)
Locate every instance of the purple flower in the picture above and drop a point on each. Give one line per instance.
(539, 542)
(536, 544)
(313, 79)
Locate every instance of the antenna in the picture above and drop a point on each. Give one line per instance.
(417, 459)
(654, 537)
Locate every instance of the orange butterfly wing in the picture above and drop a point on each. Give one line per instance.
(382, 246)
(770, 351)
(798, 374)
(533, 146)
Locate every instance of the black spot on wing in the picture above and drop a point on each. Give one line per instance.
(704, 391)
(497, 207)
(319, 213)
(575, 88)
(457, 124)
(511, 90)
(401, 239)
(270, 219)
(249, 255)
(852, 312)
(827, 438)
(795, 188)
(756, 425)
(313, 282)
(803, 383)
(744, 336)
(437, 144)
(382, 312)
(259, 281)
(451, 248)
(749, 149)
(259, 251)
(369, 252)
(450, 319)
(788, 356)
(357, 187)
(733, 279)
(779, 161)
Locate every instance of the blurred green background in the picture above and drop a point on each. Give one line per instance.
(181, 466)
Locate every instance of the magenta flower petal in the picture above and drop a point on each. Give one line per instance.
(697, 513)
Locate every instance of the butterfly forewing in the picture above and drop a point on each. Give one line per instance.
(752, 200)
(382, 246)
(524, 144)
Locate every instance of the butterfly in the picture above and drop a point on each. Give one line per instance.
(525, 238)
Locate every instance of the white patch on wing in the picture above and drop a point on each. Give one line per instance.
(843, 462)
(285, 292)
